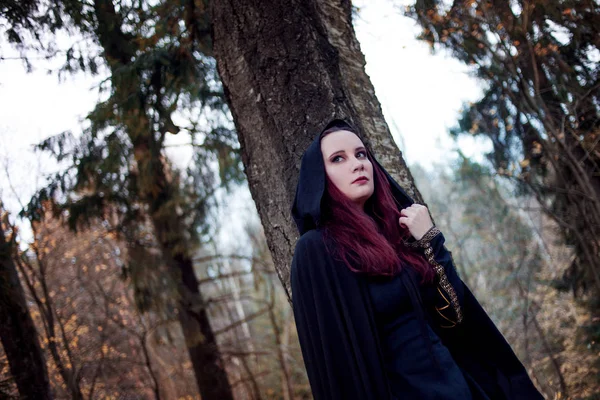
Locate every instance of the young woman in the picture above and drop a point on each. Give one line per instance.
(380, 310)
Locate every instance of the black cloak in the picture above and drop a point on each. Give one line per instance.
(336, 327)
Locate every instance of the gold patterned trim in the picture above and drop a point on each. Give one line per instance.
(424, 241)
(440, 309)
(444, 284)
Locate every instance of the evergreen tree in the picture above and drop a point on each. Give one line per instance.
(158, 60)
(540, 108)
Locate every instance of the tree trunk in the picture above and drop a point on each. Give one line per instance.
(158, 191)
(200, 337)
(50, 320)
(17, 331)
(286, 382)
(288, 67)
(235, 313)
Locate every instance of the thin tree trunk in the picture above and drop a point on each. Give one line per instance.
(246, 336)
(547, 348)
(524, 294)
(288, 67)
(45, 303)
(46, 307)
(148, 362)
(286, 386)
(285, 342)
(17, 330)
(250, 381)
(200, 337)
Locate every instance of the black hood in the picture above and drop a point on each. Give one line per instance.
(311, 183)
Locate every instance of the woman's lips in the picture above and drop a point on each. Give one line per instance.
(361, 180)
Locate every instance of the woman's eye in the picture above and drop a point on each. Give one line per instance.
(361, 154)
(336, 158)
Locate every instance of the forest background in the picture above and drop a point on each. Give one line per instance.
(145, 249)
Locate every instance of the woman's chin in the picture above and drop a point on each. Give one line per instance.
(361, 199)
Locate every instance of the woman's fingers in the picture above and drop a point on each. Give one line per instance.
(403, 221)
(416, 219)
(408, 212)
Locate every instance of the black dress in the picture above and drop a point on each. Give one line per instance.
(415, 368)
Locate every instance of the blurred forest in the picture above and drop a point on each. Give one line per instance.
(126, 291)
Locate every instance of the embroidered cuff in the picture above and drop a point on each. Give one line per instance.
(451, 299)
(445, 284)
(424, 241)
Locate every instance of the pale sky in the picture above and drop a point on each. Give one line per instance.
(421, 95)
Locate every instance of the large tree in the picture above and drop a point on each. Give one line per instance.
(17, 330)
(157, 60)
(288, 67)
(540, 108)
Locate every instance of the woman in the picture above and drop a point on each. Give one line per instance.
(379, 308)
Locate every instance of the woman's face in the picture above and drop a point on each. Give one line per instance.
(347, 165)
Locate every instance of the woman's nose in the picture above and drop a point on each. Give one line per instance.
(358, 166)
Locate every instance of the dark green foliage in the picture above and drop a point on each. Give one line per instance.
(171, 76)
(540, 108)
(118, 170)
(31, 25)
(25, 19)
(159, 66)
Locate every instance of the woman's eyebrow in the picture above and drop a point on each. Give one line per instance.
(343, 151)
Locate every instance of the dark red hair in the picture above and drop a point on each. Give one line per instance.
(370, 241)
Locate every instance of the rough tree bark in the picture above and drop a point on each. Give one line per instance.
(17, 330)
(288, 67)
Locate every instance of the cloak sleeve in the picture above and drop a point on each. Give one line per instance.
(449, 286)
(337, 333)
(476, 344)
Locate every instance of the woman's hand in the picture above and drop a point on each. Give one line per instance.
(416, 218)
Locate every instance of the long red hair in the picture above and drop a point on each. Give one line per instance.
(370, 241)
